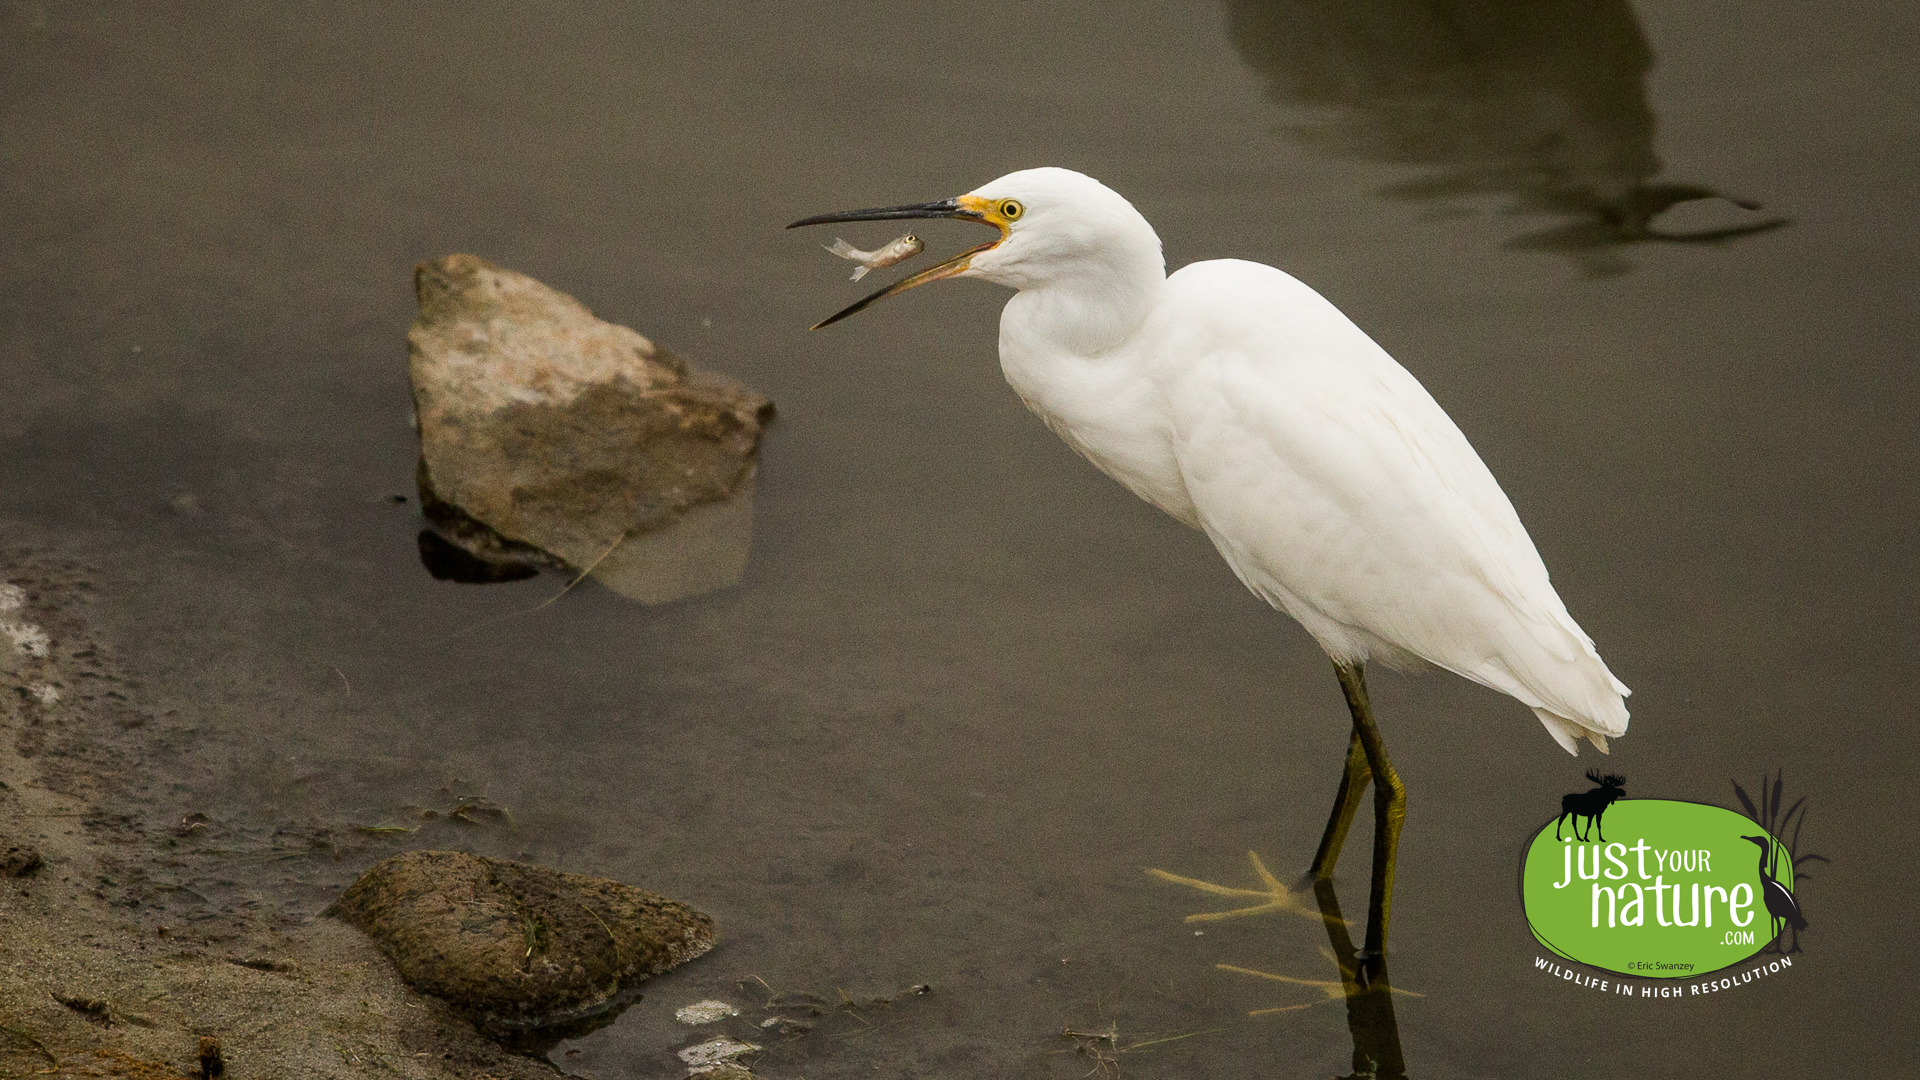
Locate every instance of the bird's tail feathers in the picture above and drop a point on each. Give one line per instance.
(1567, 733)
(1561, 677)
(1573, 693)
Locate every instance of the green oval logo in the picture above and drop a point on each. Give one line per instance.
(1674, 890)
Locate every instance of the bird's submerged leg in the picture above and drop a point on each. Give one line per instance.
(1389, 805)
(1346, 802)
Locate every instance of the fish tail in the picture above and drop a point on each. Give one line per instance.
(842, 248)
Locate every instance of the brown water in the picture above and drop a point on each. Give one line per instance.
(971, 688)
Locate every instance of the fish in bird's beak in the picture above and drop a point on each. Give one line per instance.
(965, 207)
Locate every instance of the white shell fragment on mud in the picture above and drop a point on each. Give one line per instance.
(704, 1012)
(28, 639)
(713, 1054)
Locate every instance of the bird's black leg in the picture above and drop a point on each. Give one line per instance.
(1346, 802)
(1389, 806)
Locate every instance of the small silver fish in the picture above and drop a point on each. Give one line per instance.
(897, 252)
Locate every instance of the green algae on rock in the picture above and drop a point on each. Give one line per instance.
(530, 954)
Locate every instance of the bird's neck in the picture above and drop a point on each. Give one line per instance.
(1090, 311)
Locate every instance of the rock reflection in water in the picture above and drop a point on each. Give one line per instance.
(1543, 101)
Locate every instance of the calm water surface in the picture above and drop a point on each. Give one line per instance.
(970, 688)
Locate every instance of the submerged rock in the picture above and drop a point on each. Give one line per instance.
(530, 954)
(549, 436)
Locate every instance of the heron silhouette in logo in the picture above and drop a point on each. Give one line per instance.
(1786, 827)
(1779, 899)
(1590, 805)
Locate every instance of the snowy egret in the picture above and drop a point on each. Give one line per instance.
(1245, 404)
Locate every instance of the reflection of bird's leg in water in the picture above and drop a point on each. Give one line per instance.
(1370, 1019)
(1366, 759)
(1363, 985)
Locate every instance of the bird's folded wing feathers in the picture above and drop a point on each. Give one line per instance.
(1338, 489)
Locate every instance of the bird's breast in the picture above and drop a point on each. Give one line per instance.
(1107, 407)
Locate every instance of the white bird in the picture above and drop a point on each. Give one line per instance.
(1245, 404)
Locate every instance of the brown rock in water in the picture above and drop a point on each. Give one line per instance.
(546, 430)
(531, 954)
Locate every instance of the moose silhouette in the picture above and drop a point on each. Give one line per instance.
(1590, 805)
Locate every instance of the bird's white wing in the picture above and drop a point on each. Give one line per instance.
(1339, 490)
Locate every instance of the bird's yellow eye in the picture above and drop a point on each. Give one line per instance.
(1011, 210)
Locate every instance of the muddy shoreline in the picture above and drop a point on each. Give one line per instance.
(140, 912)
(128, 943)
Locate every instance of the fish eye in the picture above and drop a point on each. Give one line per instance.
(912, 239)
(1011, 210)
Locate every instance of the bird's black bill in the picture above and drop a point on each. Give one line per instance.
(948, 208)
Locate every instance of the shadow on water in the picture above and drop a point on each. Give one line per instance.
(1541, 101)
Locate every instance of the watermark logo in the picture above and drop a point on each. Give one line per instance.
(1664, 889)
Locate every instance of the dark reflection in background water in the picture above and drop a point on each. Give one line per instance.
(1543, 102)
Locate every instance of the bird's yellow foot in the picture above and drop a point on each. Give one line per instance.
(1273, 893)
(1331, 989)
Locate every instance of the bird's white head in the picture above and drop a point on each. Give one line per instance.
(1056, 226)
(1060, 224)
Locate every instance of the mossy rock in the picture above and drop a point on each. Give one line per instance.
(529, 953)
